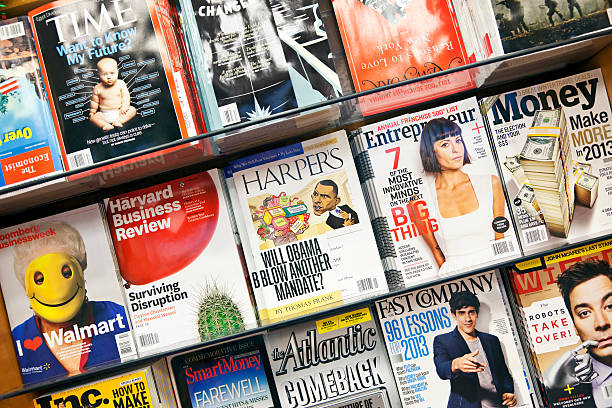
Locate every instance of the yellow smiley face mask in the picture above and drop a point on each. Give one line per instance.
(55, 285)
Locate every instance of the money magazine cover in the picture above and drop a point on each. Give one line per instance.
(551, 141)
(237, 373)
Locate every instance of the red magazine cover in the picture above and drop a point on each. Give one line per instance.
(180, 65)
(389, 41)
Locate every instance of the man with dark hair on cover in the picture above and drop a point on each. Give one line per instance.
(586, 288)
(325, 198)
(473, 361)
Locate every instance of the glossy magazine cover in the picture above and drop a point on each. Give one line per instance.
(109, 77)
(28, 144)
(583, 101)
(306, 227)
(434, 334)
(392, 41)
(336, 361)
(435, 194)
(526, 24)
(241, 70)
(134, 389)
(564, 300)
(311, 66)
(179, 263)
(62, 296)
(231, 374)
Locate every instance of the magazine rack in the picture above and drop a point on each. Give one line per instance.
(215, 149)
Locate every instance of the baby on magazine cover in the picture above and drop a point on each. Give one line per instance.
(111, 96)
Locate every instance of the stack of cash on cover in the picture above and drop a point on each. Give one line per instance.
(545, 158)
(513, 164)
(586, 184)
(528, 200)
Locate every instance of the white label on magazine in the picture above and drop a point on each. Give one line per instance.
(550, 326)
(535, 235)
(125, 345)
(148, 339)
(367, 284)
(12, 31)
(229, 114)
(184, 104)
(502, 247)
(79, 159)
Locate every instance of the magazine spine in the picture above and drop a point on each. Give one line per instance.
(486, 26)
(485, 106)
(182, 69)
(338, 53)
(43, 70)
(384, 240)
(516, 325)
(163, 36)
(191, 87)
(457, 31)
(241, 251)
(159, 380)
(468, 31)
(199, 61)
(45, 116)
(111, 248)
(523, 334)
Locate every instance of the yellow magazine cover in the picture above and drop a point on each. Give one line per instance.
(126, 391)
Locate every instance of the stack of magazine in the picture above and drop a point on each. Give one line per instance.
(550, 139)
(434, 193)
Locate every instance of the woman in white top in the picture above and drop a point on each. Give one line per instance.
(467, 204)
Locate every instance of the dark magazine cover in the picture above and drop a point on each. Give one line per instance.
(104, 68)
(524, 24)
(246, 76)
(235, 374)
(307, 50)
